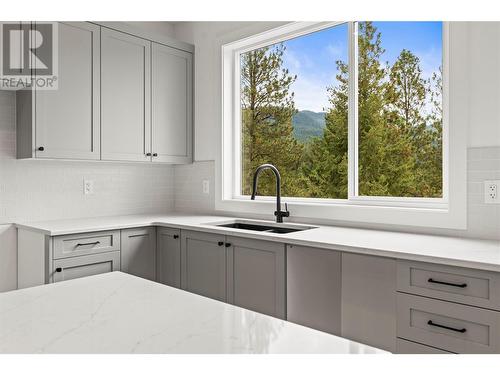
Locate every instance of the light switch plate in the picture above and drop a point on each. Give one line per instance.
(491, 192)
(88, 187)
(206, 186)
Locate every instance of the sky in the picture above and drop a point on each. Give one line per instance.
(312, 57)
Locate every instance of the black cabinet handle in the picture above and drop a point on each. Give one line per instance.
(155, 154)
(88, 243)
(461, 330)
(176, 236)
(58, 269)
(220, 243)
(148, 153)
(431, 280)
(41, 148)
(228, 244)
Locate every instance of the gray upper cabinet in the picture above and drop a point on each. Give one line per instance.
(203, 264)
(120, 97)
(65, 123)
(171, 104)
(256, 275)
(314, 281)
(369, 300)
(168, 258)
(125, 97)
(138, 252)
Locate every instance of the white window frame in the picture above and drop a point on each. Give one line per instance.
(446, 212)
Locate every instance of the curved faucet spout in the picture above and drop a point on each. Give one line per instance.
(278, 213)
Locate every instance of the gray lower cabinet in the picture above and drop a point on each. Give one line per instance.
(410, 347)
(256, 275)
(138, 252)
(314, 288)
(86, 265)
(369, 300)
(168, 256)
(203, 264)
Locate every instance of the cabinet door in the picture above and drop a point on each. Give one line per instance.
(169, 256)
(125, 97)
(203, 264)
(138, 252)
(171, 104)
(67, 119)
(256, 275)
(314, 288)
(86, 265)
(369, 300)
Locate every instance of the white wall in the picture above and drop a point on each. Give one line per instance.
(483, 75)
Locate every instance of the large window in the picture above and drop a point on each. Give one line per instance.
(350, 110)
(366, 121)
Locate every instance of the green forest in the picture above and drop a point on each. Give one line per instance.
(400, 144)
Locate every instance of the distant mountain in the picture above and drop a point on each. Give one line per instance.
(308, 124)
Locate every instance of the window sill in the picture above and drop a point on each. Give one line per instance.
(430, 214)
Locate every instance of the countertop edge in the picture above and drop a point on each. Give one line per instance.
(386, 252)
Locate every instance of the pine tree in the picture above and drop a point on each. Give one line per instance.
(267, 108)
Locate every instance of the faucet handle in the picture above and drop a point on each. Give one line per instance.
(285, 213)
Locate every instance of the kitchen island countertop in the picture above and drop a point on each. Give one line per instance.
(120, 313)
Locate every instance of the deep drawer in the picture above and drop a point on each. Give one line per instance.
(463, 285)
(410, 347)
(448, 326)
(85, 243)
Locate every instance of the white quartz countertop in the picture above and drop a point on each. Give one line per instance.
(120, 313)
(464, 252)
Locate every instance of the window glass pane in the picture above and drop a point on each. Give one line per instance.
(294, 114)
(400, 109)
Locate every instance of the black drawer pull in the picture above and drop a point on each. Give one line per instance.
(88, 243)
(176, 236)
(431, 280)
(41, 148)
(220, 243)
(228, 244)
(461, 330)
(58, 269)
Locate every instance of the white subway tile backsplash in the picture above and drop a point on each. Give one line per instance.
(43, 189)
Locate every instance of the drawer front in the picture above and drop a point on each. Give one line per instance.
(463, 285)
(447, 326)
(86, 243)
(87, 265)
(410, 347)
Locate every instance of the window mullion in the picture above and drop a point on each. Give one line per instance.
(352, 123)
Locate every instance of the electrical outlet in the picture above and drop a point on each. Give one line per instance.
(88, 187)
(491, 191)
(206, 186)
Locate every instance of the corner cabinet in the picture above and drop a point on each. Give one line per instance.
(171, 114)
(168, 256)
(120, 97)
(138, 252)
(125, 97)
(65, 123)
